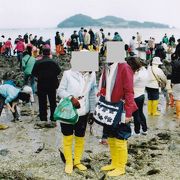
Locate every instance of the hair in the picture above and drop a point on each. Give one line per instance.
(134, 63)
(115, 33)
(46, 51)
(24, 97)
(85, 30)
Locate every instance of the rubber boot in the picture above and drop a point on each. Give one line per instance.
(3, 127)
(154, 108)
(178, 109)
(150, 107)
(67, 146)
(111, 142)
(121, 158)
(78, 151)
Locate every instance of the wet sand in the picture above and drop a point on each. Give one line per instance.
(29, 152)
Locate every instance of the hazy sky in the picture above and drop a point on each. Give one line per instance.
(48, 13)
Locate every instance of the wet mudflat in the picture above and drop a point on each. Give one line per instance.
(31, 152)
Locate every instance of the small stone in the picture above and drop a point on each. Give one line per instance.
(4, 152)
(153, 171)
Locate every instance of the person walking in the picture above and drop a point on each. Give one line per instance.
(155, 75)
(28, 62)
(46, 71)
(77, 84)
(20, 47)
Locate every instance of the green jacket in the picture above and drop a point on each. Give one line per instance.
(28, 64)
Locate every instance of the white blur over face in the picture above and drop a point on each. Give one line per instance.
(115, 52)
(84, 61)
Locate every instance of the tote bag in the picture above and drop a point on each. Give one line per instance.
(65, 112)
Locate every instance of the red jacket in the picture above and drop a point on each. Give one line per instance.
(123, 88)
(20, 46)
(8, 44)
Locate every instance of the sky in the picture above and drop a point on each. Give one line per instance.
(49, 13)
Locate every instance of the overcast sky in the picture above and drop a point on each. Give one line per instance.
(48, 13)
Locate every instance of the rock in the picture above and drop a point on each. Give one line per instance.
(153, 171)
(172, 146)
(40, 148)
(164, 136)
(4, 152)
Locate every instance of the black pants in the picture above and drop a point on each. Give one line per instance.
(43, 93)
(153, 94)
(78, 129)
(2, 100)
(139, 118)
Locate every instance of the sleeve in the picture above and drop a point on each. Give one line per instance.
(92, 95)
(9, 99)
(62, 89)
(130, 105)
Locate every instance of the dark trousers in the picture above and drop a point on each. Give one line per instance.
(19, 57)
(2, 100)
(139, 118)
(153, 94)
(42, 97)
(78, 129)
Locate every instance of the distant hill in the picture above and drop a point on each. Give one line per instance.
(80, 20)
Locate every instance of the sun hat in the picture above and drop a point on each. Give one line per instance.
(156, 60)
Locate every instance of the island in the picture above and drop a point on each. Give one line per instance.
(80, 20)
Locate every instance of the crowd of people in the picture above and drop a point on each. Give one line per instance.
(128, 81)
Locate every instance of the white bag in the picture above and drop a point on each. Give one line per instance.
(82, 110)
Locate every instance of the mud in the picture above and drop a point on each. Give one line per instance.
(28, 152)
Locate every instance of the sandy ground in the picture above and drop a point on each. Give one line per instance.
(27, 152)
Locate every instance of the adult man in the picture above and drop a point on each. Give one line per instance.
(46, 70)
(132, 45)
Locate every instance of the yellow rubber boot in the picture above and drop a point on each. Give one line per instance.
(150, 107)
(78, 151)
(67, 146)
(112, 148)
(121, 158)
(154, 108)
(3, 127)
(178, 109)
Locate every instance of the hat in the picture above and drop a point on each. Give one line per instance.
(28, 90)
(156, 60)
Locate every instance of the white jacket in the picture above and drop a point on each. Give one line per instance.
(152, 82)
(73, 83)
(140, 82)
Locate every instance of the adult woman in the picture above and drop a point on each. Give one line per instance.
(119, 86)
(28, 62)
(77, 84)
(155, 74)
(140, 81)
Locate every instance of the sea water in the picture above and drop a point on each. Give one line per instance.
(126, 33)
